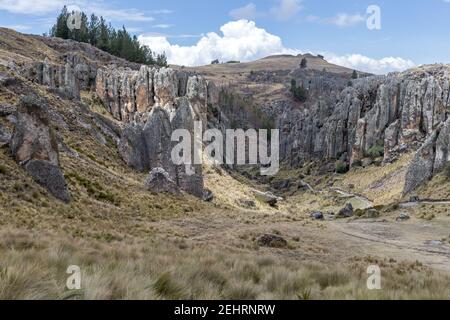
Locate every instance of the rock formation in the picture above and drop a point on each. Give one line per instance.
(60, 78)
(34, 146)
(159, 181)
(397, 112)
(152, 103)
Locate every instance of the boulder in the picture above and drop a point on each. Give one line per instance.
(159, 181)
(346, 212)
(317, 215)
(266, 197)
(35, 147)
(403, 217)
(208, 196)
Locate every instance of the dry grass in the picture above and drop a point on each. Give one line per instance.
(382, 185)
(34, 267)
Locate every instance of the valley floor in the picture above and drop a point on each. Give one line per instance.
(214, 256)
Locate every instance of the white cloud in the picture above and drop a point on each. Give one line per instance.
(286, 9)
(163, 26)
(346, 20)
(31, 6)
(245, 12)
(376, 66)
(243, 41)
(39, 7)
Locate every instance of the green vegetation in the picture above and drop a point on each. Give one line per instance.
(355, 75)
(304, 63)
(341, 167)
(3, 169)
(299, 93)
(447, 170)
(376, 151)
(97, 32)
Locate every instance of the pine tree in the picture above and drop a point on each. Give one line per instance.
(117, 42)
(161, 60)
(93, 30)
(103, 42)
(60, 29)
(354, 74)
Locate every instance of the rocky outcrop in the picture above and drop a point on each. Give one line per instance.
(159, 181)
(153, 103)
(58, 77)
(430, 159)
(130, 95)
(34, 146)
(397, 112)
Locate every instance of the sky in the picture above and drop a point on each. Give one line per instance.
(409, 33)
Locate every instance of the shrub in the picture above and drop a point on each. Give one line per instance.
(447, 170)
(300, 93)
(376, 151)
(341, 167)
(304, 63)
(3, 169)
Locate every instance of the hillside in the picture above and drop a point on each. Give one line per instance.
(80, 131)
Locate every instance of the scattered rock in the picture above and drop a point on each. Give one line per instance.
(317, 215)
(159, 181)
(34, 146)
(208, 196)
(403, 217)
(272, 241)
(414, 199)
(347, 211)
(267, 197)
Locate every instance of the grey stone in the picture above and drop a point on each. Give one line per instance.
(317, 215)
(208, 196)
(34, 146)
(159, 181)
(266, 197)
(346, 212)
(50, 177)
(403, 217)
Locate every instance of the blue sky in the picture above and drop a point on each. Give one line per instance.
(196, 32)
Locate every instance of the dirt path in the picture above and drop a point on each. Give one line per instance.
(329, 241)
(403, 241)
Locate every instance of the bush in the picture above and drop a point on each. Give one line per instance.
(3, 169)
(341, 167)
(447, 170)
(376, 151)
(299, 93)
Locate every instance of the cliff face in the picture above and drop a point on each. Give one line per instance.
(397, 112)
(152, 103)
